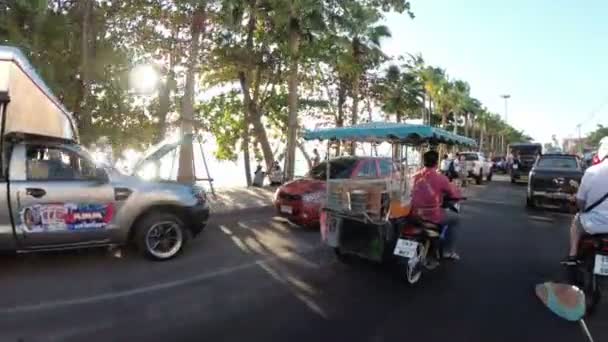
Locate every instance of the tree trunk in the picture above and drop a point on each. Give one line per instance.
(246, 156)
(466, 125)
(305, 154)
(185, 172)
(84, 115)
(253, 117)
(292, 122)
(340, 118)
(355, 109)
(164, 96)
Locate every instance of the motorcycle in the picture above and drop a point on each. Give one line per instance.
(419, 246)
(592, 267)
(593, 264)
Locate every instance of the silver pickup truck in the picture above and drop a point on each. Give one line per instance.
(54, 196)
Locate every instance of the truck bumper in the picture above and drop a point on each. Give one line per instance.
(197, 217)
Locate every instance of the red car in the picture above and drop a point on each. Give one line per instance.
(300, 200)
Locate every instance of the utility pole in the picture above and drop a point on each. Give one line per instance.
(506, 97)
(580, 142)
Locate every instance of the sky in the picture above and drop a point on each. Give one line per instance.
(550, 56)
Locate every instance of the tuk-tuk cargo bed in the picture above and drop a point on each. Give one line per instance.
(32, 109)
(360, 197)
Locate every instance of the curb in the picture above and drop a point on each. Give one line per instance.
(237, 212)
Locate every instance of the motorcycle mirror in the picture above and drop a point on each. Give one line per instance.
(566, 301)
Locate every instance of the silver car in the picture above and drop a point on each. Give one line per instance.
(53, 195)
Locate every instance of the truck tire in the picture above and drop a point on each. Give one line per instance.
(530, 203)
(479, 179)
(489, 177)
(160, 236)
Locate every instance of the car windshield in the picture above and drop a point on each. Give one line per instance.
(470, 156)
(558, 163)
(526, 150)
(339, 168)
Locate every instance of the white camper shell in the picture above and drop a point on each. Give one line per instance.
(27, 105)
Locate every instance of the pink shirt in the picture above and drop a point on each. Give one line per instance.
(427, 194)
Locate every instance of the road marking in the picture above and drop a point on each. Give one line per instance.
(56, 304)
(486, 201)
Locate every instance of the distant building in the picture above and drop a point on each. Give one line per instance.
(573, 145)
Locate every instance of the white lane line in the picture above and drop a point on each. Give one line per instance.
(486, 201)
(145, 289)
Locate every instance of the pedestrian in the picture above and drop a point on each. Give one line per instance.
(258, 176)
(461, 169)
(316, 159)
(445, 165)
(276, 175)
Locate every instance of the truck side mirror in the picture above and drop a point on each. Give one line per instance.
(101, 175)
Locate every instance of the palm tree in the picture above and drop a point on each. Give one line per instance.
(295, 22)
(401, 93)
(433, 79)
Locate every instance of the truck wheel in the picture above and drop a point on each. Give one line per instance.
(479, 179)
(160, 236)
(530, 203)
(489, 177)
(512, 180)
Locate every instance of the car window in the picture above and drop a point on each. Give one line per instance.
(470, 156)
(558, 163)
(339, 168)
(368, 169)
(55, 163)
(386, 167)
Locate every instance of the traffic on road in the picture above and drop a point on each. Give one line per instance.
(429, 217)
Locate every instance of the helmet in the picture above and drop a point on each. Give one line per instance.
(602, 151)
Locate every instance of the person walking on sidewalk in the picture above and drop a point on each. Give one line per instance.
(316, 159)
(258, 176)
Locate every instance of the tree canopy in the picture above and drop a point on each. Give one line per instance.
(259, 70)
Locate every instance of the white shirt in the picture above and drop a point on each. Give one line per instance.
(594, 186)
(445, 165)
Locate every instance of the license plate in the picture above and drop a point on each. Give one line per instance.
(406, 248)
(601, 264)
(286, 209)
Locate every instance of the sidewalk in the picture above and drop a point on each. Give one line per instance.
(239, 198)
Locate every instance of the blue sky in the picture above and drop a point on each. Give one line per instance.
(551, 56)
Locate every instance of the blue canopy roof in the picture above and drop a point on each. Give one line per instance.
(390, 131)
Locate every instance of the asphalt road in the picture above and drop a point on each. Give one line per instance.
(251, 277)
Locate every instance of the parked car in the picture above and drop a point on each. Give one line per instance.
(525, 156)
(54, 196)
(477, 166)
(554, 180)
(499, 165)
(300, 200)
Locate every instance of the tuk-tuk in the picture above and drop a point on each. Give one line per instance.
(359, 215)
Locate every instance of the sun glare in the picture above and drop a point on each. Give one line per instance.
(143, 79)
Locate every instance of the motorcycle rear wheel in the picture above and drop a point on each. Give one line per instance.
(413, 272)
(587, 281)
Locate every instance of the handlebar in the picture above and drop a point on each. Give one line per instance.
(455, 199)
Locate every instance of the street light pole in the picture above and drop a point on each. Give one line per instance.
(579, 142)
(506, 97)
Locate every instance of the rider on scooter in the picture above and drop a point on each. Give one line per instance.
(428, 191)
(592, 201)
